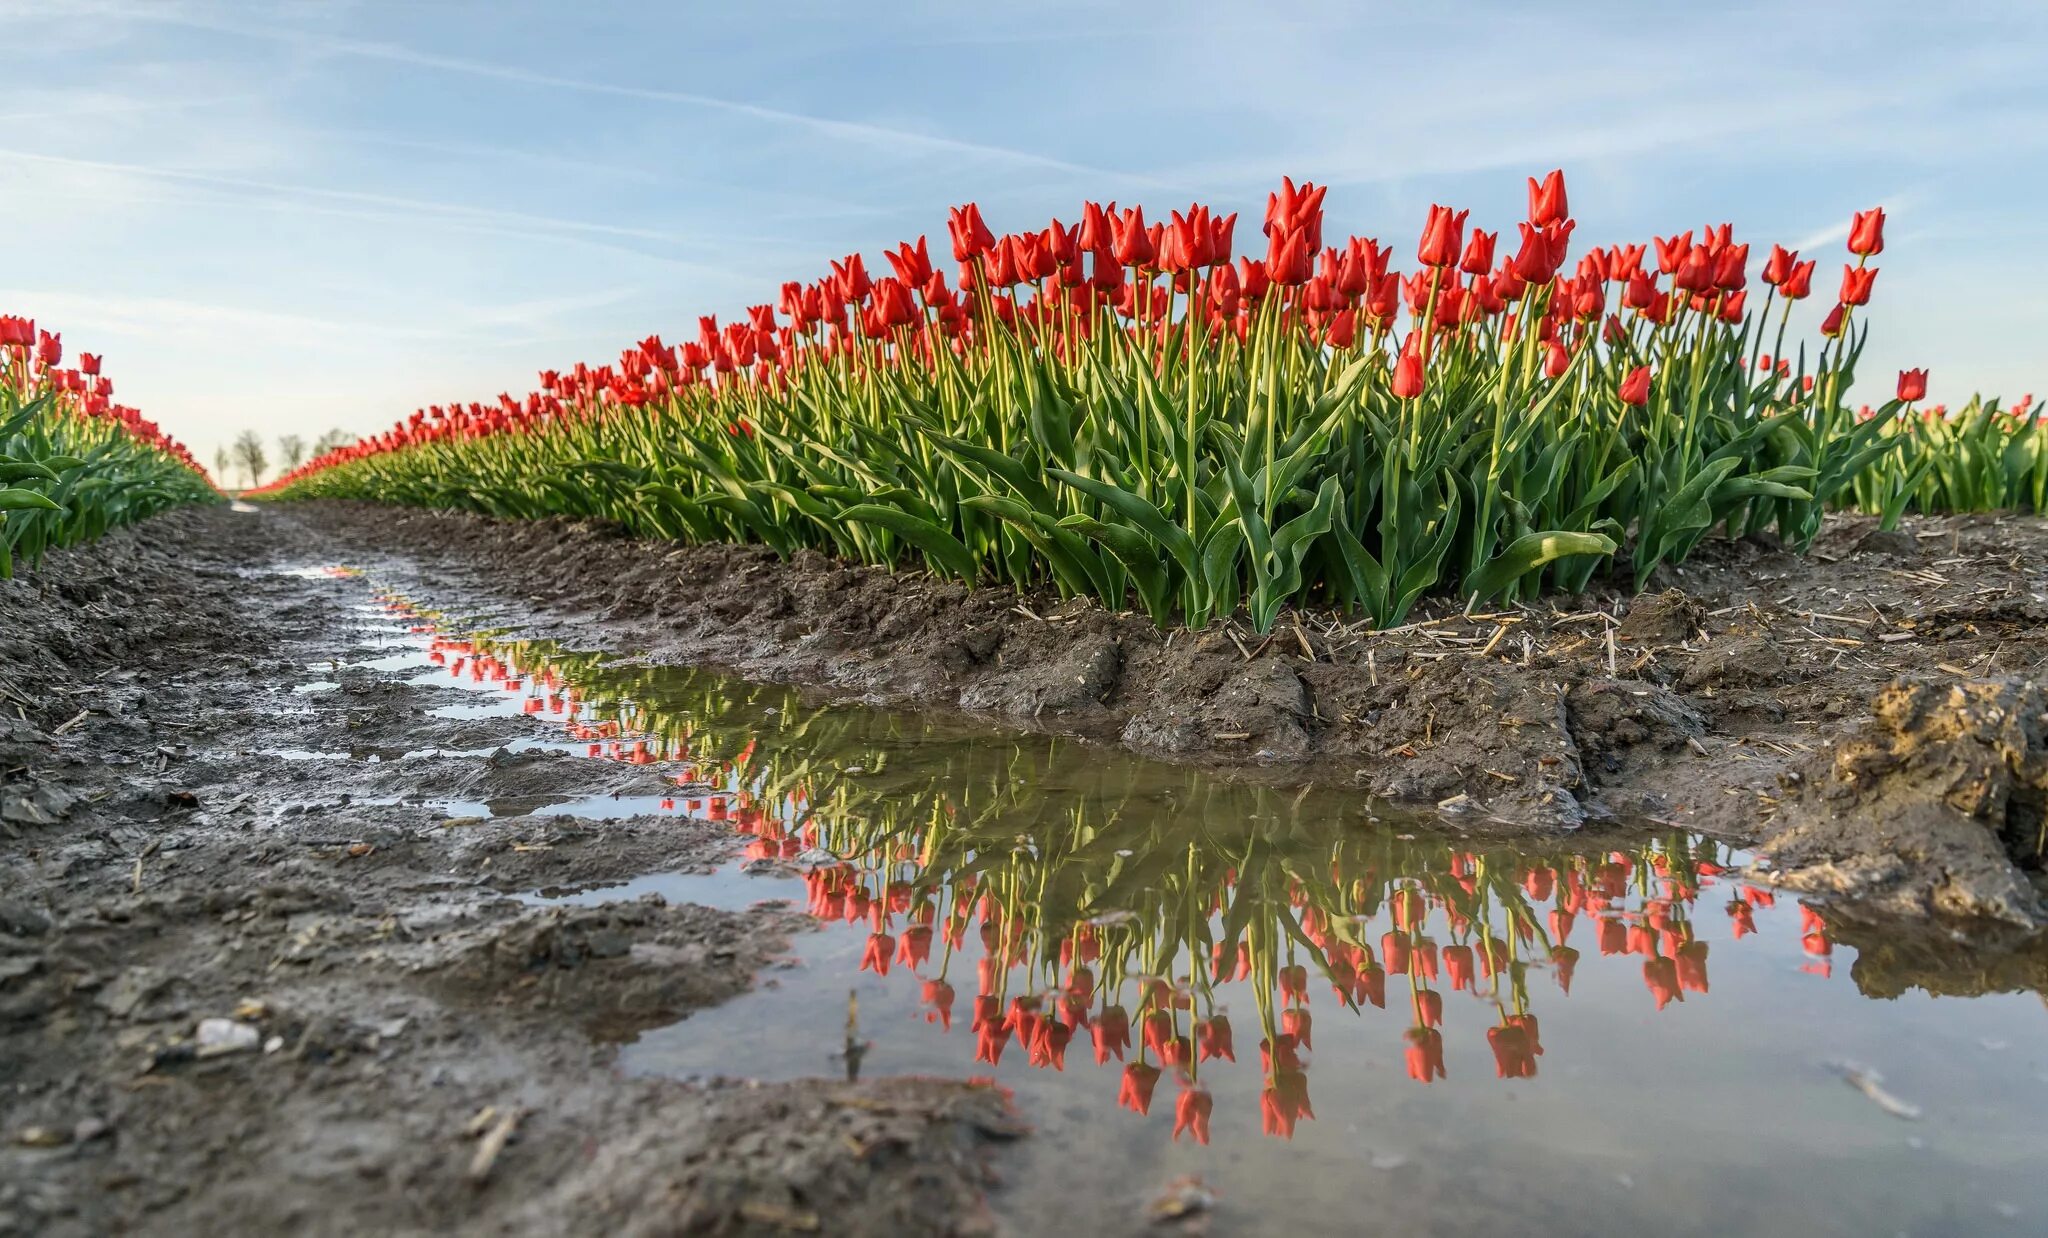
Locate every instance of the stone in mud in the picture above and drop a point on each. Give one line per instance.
(1667, 618)
(1261, 709)
(1949, 777)
(1073, 683)
(1732, 662)
(1892, 543)
(893, 1156)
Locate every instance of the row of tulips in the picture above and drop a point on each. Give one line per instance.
(73, 463)
(1139, 934)
(1119, 409)
(1980, 458)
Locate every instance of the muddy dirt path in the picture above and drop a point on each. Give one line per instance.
(253, 980)
(245, 989)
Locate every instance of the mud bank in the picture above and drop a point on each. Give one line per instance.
(1866, 715)
(249, 984)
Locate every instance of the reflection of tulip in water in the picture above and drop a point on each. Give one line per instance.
(1425, 1054)
(1191, 1113)
(1214, 1038)
(1284, 1103)
(1295, 1022)
(1512, 1057)
(879, 951)
(1112, 1034)
(1661, 975)
(939, 996)
(1458, 966)
(1136, 1092)
(1692, 967)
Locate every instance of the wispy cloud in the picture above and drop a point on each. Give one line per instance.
(888, 137)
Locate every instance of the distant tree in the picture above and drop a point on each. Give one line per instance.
(221, 464)
(249, 454)
(292, 450)
(333, 440)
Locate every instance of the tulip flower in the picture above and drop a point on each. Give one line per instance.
(1778, 267)
(1478, 258)
(1866, 233)
(970, 235)
(1547, 203)
(1289, 260)
(1296, 1023)
(1912, 385)
(1408, 373)
(1856, 282)
(1442, 237)
(1635, 388)
(939, 996)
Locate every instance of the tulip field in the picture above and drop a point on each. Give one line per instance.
(1117, 409)
(73, 464)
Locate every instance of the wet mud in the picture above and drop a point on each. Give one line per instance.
(271, 956)
(1732, 699)
(252, 981)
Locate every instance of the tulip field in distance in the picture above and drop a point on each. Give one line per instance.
(1131, 411)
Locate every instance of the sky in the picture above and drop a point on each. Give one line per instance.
(297, 217)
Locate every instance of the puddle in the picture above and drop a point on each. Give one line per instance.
(1336, 1018)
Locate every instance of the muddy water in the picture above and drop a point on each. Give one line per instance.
(1285, 1008)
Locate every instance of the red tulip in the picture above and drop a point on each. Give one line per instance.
(1289, 259)
(88, 363)
(1856, 284)
(1866, 233)
(1442, 236)
(1778, 267)
(1635, 388)
(1132, 242)
(1831, 326)
(1555, 360)
(1799, 280)
(1912, 385)
(1547, 203)
(1408, 377)
(912, 266)
(1479, 252)
(1296, 1023)
(971, 236)
(1672, 251)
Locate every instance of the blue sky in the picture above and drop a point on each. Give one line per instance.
(296, 216)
